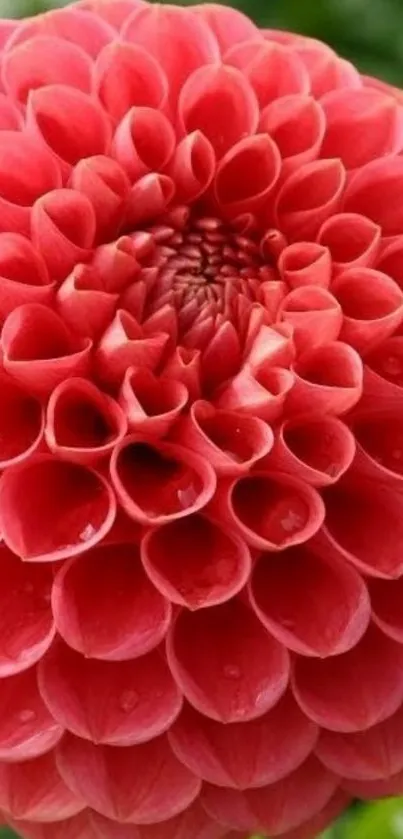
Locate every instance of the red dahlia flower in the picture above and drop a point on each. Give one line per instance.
(201, 445)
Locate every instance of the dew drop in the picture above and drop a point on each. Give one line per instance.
(129, 701)
(88, 533)
(187, 496)
(232, 671)
(292, 522)
(27, 715)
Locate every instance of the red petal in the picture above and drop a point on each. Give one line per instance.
(370, 790)
(127, 75)
(42, 61)
(225, 662)
(176, 38)
(272, 511)
(365, 755)
(361, 125)
(152, 405)
(305, 264)
(372, 306)
(297, 125)
(23, 274)
(115, 703)
(26, 626)
(79, 503)
(21, 183)
(27, 728)
(85, 307)
(328, 622)
(78, 827)
(83, 424)
(314, 314)
(106, 608)
(244, 755)
(317, 449)
(247, 175)
(158, 482)
(375, 191)
(352, 240)
(229, 25)
(115, 12)
(380, 445)
(328, 379)
(330, 812)
(308, 197)
(193, 823)
(192, 167)
(34, 791)
(124, 345)
(272, 70)
(364, 524)
(106, 185)
(143, 142)
(39, 352)
(11, 118)
(386, 601)
(326, 70)
(276, 808)
(383, 373)
(148, 199)
(219, 101)
(353, 691)
(261, 394)
(196, 563)
(63, 230)
(143, 784)
(21, 423)
(87, 30)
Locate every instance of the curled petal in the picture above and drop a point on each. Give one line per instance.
(76, 500)
(143, 142)
(386, 606)
(177, 39)
(315, 315)
(107, 186)
(232, 442)
(353, 241)
(34, 791)
(230, 26)
(308, 197)
(21, 183)
(390, 259)
(86, 30)
(195, 562)
(27, 729)
(297, 125)
(108, 587)
(247, 175)
(244, 755)
(115, 703)
(44, 61)
(101, 774)
(379, 437)
(372, 306)
(375, 191)
(273, 71)
(148, 198)
(276, 808)
(70, 122)
(159, 482)
(353, 691)
(115, 264)
(383, 373)
(361, 125)
(219, 101)
(27, 625)
(325, 69)
(39, 352)
(305, 264)
(317, 449)
(328, 378)
(127, 75)
(21, 423)
(364, 525)
(83, 424)
(192, 167)
(151, 405)
(261, 394)
(226, 663)
(23, 274)
(85, 307)
(330, 621)
(365, 755)
(271, 347)
(63, 230)
(271, 511)
(184, 366)
(124, 345)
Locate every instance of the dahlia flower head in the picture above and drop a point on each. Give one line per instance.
(201, 437)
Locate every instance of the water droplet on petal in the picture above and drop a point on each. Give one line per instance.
(291, 522)
(232, 671)
(128, 701)
(88, 533)
(27, 715)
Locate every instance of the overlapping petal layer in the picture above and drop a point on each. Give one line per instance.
(201, 445)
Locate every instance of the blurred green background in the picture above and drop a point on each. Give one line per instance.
(370, 33)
